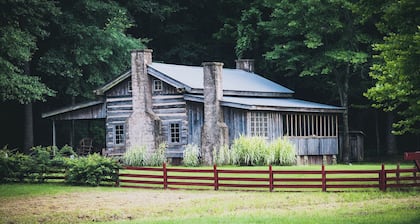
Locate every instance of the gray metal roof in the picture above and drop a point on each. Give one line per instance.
(235, 81)
(273, 104)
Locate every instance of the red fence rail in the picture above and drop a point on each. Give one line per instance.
(187, 178)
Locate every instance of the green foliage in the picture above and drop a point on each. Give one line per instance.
(91, 170)
(135, 156)
(89, 46)
(396, 69)
(223, 156)
(158, 158)
(22, 25)
(285, 152)
(256, 150)
(249, 151)
(14, 165)
(191, 156)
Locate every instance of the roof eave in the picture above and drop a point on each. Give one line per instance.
(112, 83)
(157, 74)
(71, 108)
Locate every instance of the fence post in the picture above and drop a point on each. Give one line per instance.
(117, 182)
(415, 174)
(324, 179)
(165, 177)
(397, 173)
(216, 177)
(271, 184)
(382, 178)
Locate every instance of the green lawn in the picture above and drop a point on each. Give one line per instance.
(53, 203)
(59, 203)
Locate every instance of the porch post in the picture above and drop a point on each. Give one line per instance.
(53, 133)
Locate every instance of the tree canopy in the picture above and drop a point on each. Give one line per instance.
(396, 69)
(22, 26)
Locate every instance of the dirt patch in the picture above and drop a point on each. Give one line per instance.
(93, 206)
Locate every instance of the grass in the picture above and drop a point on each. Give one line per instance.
(116, 205)
(58, 203)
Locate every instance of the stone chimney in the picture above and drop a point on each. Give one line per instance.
(142, 125)
(245, 64)
(214, 132)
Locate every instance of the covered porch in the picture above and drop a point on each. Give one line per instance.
(81, 123)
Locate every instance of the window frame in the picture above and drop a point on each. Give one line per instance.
(258, 124)
(129, 86)
(121, 139)
(174, 133)
(157, 85)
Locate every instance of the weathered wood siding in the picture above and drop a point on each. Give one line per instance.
(236, 120)
(172, 109)
(195, 113)
(119, 106)
(315, 145)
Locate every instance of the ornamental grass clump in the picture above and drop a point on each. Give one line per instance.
(135, 156)
(191, 155)
(223, 156)
(249, 151)
(284, 152)
(157, 158)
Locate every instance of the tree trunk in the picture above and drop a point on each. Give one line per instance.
(378, 139)
(391, 142)
(343, 87)
(28, 136)
(28, 125)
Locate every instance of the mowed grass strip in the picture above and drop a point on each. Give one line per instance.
(117, 205)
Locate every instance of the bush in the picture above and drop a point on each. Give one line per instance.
(222, 156)
(284, 152)
(14, 166)
(256, 151)
(91, 170)
(135, 156)
(191, 155)
(157, 158)
(249, 150)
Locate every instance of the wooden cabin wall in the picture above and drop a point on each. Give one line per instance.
(119, 107)
(169, 105)
(196, 120)
(236, 120)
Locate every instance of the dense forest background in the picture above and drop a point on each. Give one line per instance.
(363, 55)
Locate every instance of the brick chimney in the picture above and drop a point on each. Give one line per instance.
(245, 64)
(143, 124)
(214, 132)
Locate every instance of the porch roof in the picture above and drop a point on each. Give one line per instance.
(81, 111)
(271, 104)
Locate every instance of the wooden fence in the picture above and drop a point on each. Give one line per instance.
(216, 178)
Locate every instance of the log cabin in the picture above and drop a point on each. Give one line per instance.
(205, 105)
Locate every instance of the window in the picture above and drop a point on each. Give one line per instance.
(157, 85)
(130, 87)
(174, 133)
(310, 125)
(258, 124)
(119, 134)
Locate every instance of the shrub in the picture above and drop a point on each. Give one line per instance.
(222, 156)
(284, 152)
(256, 151)
(91, 170)
(157, 158)
(249, 150)
(135, 156)
(191, 155)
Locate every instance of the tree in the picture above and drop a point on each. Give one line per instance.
(87, 48)
(22, 26)
(313, 38)
(397, 69)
